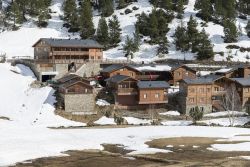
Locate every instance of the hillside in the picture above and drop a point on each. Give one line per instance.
(19, 43)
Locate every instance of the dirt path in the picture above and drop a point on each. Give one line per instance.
(186, 151)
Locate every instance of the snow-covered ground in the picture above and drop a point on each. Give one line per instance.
(23, 39)
(27, 136)
(171, 113)
(137, 121)
(225, 114)
(105, 121)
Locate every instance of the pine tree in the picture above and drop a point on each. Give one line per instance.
(153, 23)
(205, 49)
(114, 31)
(163, 46)
(70, 13)
(219, 11)
(107, 8)
(136, 41)
(86, 22)
(102, 32)
(180, 9)
(192, 33)
(166, 4)
(121, 4)
(206, 9)
(128, 47)
(142, 24)
(229, 9)
(230, 31)
(43, 13)
(15, 14)
(181, 39)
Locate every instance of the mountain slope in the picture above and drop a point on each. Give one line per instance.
(18, 43)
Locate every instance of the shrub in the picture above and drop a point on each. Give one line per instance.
(196, 114)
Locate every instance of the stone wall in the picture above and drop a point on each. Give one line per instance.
(80, 103)
(88, 69)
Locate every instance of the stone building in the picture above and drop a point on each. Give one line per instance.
(76, 95)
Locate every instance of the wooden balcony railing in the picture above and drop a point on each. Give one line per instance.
(147, 77)
(127, 91)
(73, 53)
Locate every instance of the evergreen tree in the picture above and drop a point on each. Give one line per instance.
(180, 9)
(114, 31)
(70, 13)
(196, 114)
(163, 46)
(244, 6)
(86, 22)
(248, 28)
(153, 23)
(142, 24)
(219, 11)
(230, 31)
(107, 8)
(166, 4)
(102, 32)
(229, 9)
(15, 14)
(121, 4)
(192, 33)
(43, 13)
(205, 7)
(128, 47)
(181, 39)
(205, 49)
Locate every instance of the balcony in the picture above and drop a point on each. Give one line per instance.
(154, 101)
(73, 53)
(220, 92)
(147, 77)
(127, 91)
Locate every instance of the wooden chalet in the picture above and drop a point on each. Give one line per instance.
(76, 95)
(66, 50)
(119, 69)
(243, 88)
(153, 92)
(205, 92)
(129, 92)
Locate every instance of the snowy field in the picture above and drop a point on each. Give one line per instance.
(23, 39)
(30, 110)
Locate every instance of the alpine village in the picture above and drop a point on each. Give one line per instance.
(142, 83)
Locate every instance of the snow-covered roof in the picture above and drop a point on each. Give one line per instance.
(224, 70)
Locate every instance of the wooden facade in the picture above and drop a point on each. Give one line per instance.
(153, 96)
(53, 50)
(181, 72)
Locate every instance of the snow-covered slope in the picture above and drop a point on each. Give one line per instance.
(19, 43)
(25, 105)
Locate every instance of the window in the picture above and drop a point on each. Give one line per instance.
(178, 73)
(202, 99)
(131, 74)
(187, 73)
(86, 90)
(216, 89)
(92, 57)
(145, 96)
(157, 95)
(201, 90)
(246, 90)
(191, 90)
(208, 90)
(202, 109)
(99, 57)
(121, 69)
(191, 100)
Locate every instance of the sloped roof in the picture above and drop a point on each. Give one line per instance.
(66, 78)
(73, 82)
(117, 78)
(152, 84)
(242, 81)
(114, 67)
(87, 43)
(207, 79)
